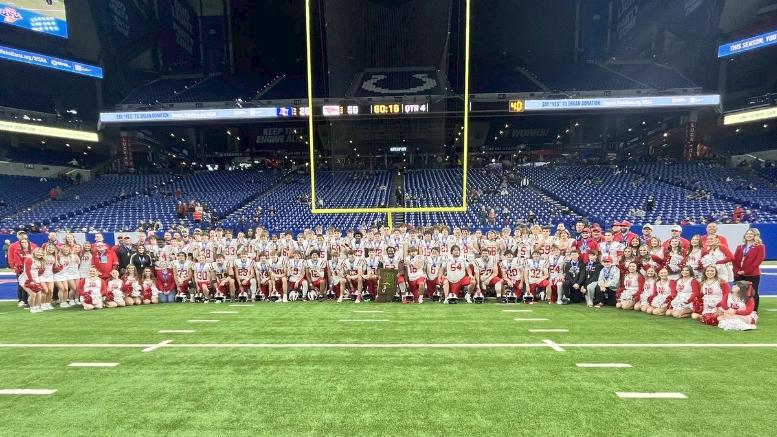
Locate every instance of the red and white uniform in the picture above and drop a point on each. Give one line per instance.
(433, 266)
(262, 271)
(48, 270)
(278, 269)
(513, 272)
(206, 248)
(32, 269)
(391, 262)
(115, 292)
(687, 293)
(182, 271)
(243, 271)
(84, 265)
(534, 271)
(693, 259)
(70, 264)
(674, 263)
(456, 274)
(632, 287)
(296, 273)
(487, 270)
(148, 289)
(648, 291)
(201, 275)
(742, 308)
(663, 295)
(523, 250)
(92, 290)
(229, 249)
(491, 247)
(317, 270)
(133, 285)
(721, 258)
(613, 249)
(556, 270)
(712, 295)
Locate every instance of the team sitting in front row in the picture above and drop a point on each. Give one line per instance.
(669, 279)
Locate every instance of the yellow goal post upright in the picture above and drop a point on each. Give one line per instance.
(465, 133)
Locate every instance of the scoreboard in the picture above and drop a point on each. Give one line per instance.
(355, 110)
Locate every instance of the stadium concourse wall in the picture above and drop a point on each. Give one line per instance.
(732, 232)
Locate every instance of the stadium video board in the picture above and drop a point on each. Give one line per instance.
(44, 16)
(744, 45)
(47, 131)
(46, 61)
(750, 116)
(613, 103)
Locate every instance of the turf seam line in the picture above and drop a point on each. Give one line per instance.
(151, 348)
(26, 391)
(553, 345)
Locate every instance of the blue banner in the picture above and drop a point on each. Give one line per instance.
(621, 102)
(50, 62)
(45, 19)
(748, 44)
(188, 115)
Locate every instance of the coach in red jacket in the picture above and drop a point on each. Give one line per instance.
(747, 260)
(16, 262)
(105, 260)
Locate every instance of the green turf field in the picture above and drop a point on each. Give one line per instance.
(56, 10)
(225, 379)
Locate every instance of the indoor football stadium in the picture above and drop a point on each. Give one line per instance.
(388, 217)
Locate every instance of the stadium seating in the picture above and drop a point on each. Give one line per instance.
(160, 90)
(223, 191)
(294, 86)
(225, 88)
(62, 158)
(291, 214)
(615, 196)
(583, 77)
(21, 192)
(653, 75)
(435, 188)
(725, 183)
(400, 82)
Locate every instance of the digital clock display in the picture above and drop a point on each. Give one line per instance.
(393, 108)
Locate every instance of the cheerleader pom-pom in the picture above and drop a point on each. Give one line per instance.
(87, 299)
(710, 319)
(19, 269)
(127, 288)
(41, 270)
(698, 306)
(109, 297)
(56, 268)
(147, 293)
(33, 286)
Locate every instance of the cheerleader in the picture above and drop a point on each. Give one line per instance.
(719, 256)
(60, 275)
(747, 261)
(16, 259)
(712, 290)
(72, 272)
(739, 305)
(47, 277)
(648, 290)
(675, 258)
(693, 257)
(29, 279)
(115, 297)
(657, 259)
(665, 292)
(643, 259)
(131, 287)
(92, 290)
(687, 292)
(148, 287)
(632, 286)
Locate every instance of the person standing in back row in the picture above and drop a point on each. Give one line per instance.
(747, 261)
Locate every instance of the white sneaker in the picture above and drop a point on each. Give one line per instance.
(36, 310)
(20, 304)
(340, 299)
(64, 305)
(420, 299)
(285, 299)
(748, 327)
(46, 307)
(358, 301)
(468, 298)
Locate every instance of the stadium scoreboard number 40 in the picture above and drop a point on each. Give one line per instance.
(517, 105)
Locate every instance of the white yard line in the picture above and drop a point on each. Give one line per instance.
(364, 320)
(156, 346)
(553, 346)
(26, 391)
(177, 331)
(603, 365)
(631, 395)
(93, 364)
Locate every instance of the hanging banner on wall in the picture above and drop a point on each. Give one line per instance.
(126, 152)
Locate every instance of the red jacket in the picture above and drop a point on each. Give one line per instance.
(165, 285)
(15, 258)
(105, 266)
(750, 264)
